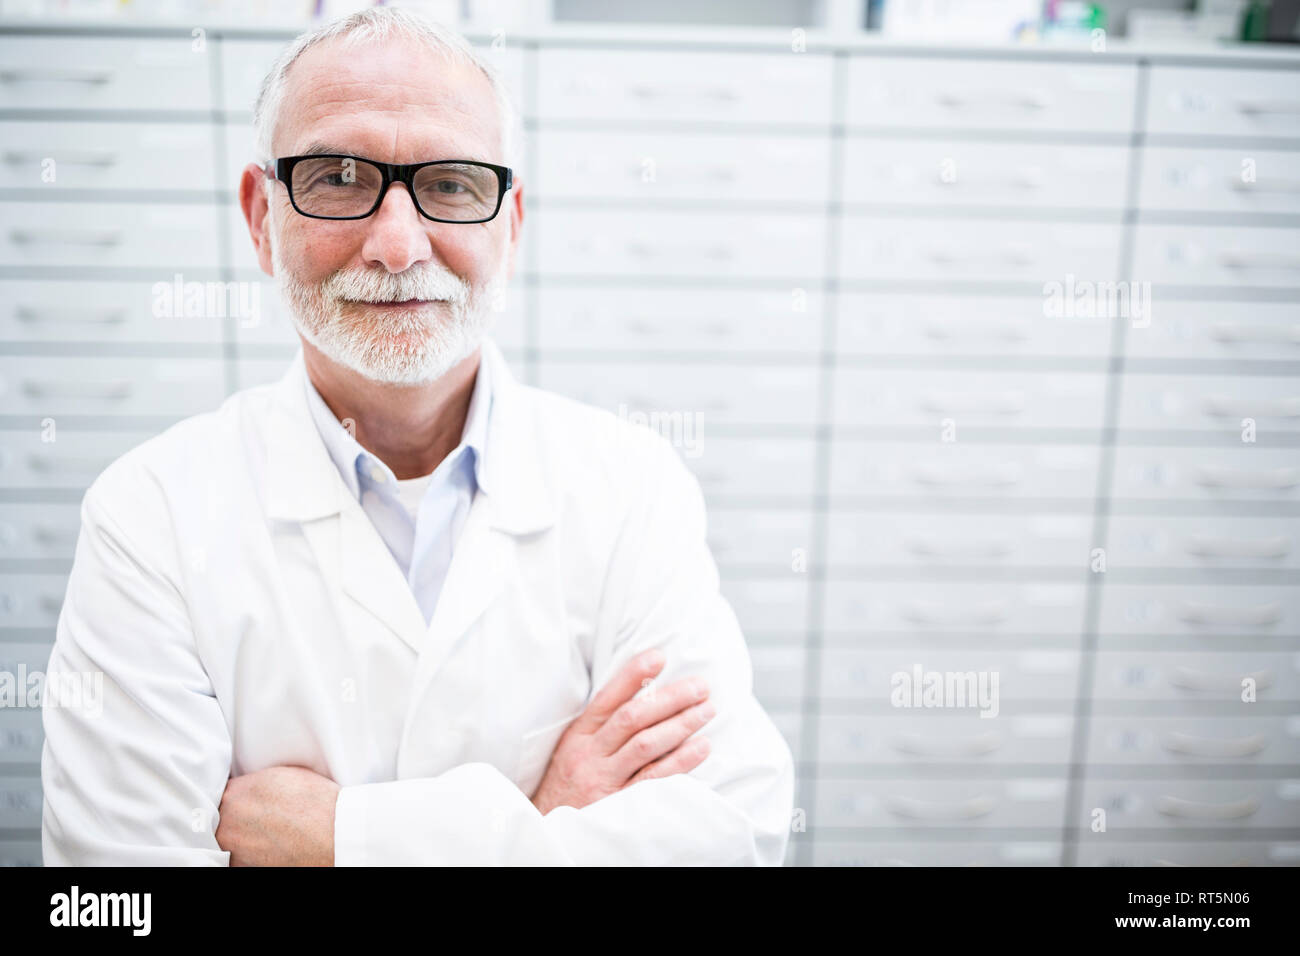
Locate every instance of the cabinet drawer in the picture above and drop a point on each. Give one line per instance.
(869, 609)
(933, 93)
(1204, 256)
(632, 85)
(1242, 473)
(123, 386)
(1178, 676)
(764, 470)
(778, 673)
(953, 173)
(162, 237)
(655, 243)
(1203, 542)
(1218, 330)
(20, 802)
(39, 532)
(969, 325)
(72, 311)
(930, 398)
(681, 320)
(1210, 402)
(951, 249)
(1194, 804)
(1179, 741)
(1204, 101)
(930, 737)
(1193, 609)
(938, 470)
(104, 73)
(73, 460)
(31, 600)
(21, 852)
(652, 167)
(21, 735)
(1220, 180)
(768, 606)
(924, 541)
(962, 804)
(692, 397)
(760, 539)
(108, 156)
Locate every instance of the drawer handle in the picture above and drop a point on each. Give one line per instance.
(108, 391)
(1194, 746)
(1259, 107)
(1185, 678)
(89, 157)
(1025, 99)
(94, 77)
(994, 403)
(50, 535)
(1236, 259)
(988, 612)
(914, 809)
(1258, 332)
(1261, 615)
(987, 548)
(723, 94)
(1221, 546)
(943, 474)
(921, 745)
(1183, 809)
(27, 313)
(80, 237)
(1233, 407)
(1217, 476)
(51, 604)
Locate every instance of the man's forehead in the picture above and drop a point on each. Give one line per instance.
(391, 95)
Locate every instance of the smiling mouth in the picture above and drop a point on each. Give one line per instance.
(404, 304)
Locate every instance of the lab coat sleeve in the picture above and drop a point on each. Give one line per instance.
(136, 778)
(662, 590)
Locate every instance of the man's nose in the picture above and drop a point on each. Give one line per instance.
(397, 237)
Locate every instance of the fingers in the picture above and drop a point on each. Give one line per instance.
(661, 739)
(682, 760)
(620, 689)
(648, 709)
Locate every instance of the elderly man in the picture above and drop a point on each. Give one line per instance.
(398, 608)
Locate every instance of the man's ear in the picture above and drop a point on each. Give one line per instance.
(252, 200)
(516, 206)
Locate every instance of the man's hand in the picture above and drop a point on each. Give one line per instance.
(280, 816)
(621, 739)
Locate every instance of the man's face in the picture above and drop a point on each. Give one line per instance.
(396, 297)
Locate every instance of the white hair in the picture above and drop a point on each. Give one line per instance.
(380, 23)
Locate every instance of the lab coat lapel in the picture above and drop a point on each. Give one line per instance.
(305, 486)
(514, 501)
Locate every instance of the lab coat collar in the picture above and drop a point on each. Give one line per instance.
(304, 483)
(306, 486)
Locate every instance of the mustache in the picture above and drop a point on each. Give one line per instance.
(423, 281)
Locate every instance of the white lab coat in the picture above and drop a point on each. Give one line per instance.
(245, 614)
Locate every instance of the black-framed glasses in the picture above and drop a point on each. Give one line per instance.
(338, 186)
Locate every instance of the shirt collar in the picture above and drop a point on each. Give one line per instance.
(351, 458)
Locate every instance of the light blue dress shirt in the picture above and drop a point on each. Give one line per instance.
(421, 542)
